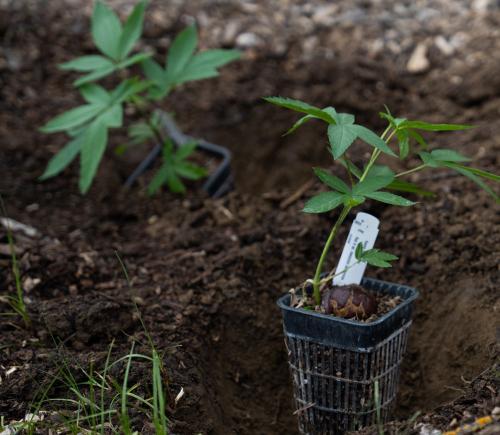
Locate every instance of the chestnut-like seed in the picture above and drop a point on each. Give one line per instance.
(349, 301)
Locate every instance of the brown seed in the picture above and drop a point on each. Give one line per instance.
(349, 301)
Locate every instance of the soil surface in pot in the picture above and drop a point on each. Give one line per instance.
(351, 301)
(205, 274)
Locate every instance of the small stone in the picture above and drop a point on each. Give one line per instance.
(418, 61)
(444, 46)
(248, 40)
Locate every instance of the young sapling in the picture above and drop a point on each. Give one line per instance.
(372, 181)
(88, 125)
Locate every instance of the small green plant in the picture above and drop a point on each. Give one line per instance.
(97, 402)
(374, 181)
(88, 125)
(15, 302)
(175, 166)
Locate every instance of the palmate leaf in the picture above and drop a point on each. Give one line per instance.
(94, 143)
(324, 202)
(175, 166)
(106, 30)
(374, 257)
(300, 106)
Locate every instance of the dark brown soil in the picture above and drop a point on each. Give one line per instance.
(206, 273)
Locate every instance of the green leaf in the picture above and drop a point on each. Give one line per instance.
(390, 198)
(93, 93)
(140, 132)
(63, 158)
(331, 181)
(405, 186)
(465, 171)
(300, 106)
(128, 88)
(343, 118)
(95, 75)
(429, 160)
(351, 167)
(136, 58)
(87, 63)
(445, 155)
(341, 138)
(427, 126)
(324, 202)
(153, 71)
(175, 184)
(438, 158)
(72, 118)
(190, 171)
(480, 172)
(106, 30)
(404, 143)
(299, 123)
(418, 138)
(359, 251)
(159, 179)
(180, 52)
(380, 171)
(113, 117)
(375, 257)
(185, 150)
(205, 64)
(94, 143)
(132, 30)
(373, 139)
(372, 183)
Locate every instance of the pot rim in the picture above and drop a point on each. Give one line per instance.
(412, 294)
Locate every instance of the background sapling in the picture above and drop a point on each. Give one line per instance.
(374, 181)
(88, 125)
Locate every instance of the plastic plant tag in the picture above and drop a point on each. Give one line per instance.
(364, 230)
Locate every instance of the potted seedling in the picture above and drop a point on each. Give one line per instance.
(345, 336)
(147, 84)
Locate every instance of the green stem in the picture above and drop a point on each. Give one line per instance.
(409, 171)
(345, 211)
(331, 237)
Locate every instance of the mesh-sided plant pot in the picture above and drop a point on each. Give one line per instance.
(335, 363)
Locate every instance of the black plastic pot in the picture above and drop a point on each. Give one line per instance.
(336, 363)
(218, 183)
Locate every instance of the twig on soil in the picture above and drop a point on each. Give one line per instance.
(297, 194)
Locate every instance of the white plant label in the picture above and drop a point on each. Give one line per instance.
(364, 230)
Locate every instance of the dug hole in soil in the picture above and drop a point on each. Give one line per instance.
(206, 273)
